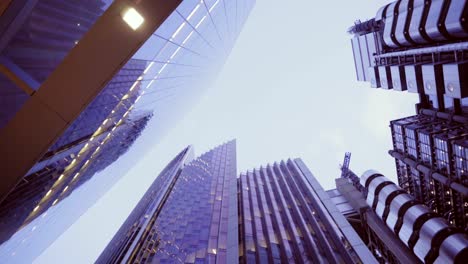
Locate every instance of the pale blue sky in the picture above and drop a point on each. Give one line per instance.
(288, 89)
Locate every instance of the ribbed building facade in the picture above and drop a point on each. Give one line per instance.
(206, 214)
(420, 47)
(286, 217)
(151, 91)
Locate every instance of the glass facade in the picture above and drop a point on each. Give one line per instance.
(36, 36)
(134, 231)
(285, 217)
(45, 188)
(197, 224)
(150, 92)
(275, 214)
(189, 214)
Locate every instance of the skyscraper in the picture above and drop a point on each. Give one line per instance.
(415, 46)
(287, 217)
(134, 232)
(275, 214)
(36, 193)
(396, 227)
(420, 47)
(105, 91)
(189, 214)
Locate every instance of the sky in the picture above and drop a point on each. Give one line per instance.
(287, 90)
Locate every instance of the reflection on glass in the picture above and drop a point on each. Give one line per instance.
(135, 109)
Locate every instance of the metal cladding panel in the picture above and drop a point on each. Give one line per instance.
(380, 208)
(432, 78)
(399, 77)
(381, 13)
(366, 175)
(373, 46)
(410, 217)
(383, 196)
(374, 76)
(388, 34)
(457, 19)
(416, 27)
(366, 57)
(385, 77)
(414, 79)
(359, 65)
(433, 24)
(456, 79)
(454, 249)
(373, 186)
(428, 230)
(404, 16)
(387, 191)
(395, 206)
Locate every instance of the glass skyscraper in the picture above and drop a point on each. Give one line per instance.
(420, 47)
(134, 231)
(200, 211)
(189, 214)
(287, 217)
(149, 89)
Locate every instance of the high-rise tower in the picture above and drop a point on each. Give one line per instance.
(81, 84)
(287, 217)
(421, 47)
(188, 215)
(416, 46)
(134, 235)
(275, 214)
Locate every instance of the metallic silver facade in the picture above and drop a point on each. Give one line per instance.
(416, 46)
(429, 236)
(420, 47)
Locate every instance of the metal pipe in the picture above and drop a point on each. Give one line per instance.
(428, 50)
(426, 170)
(444, 115)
